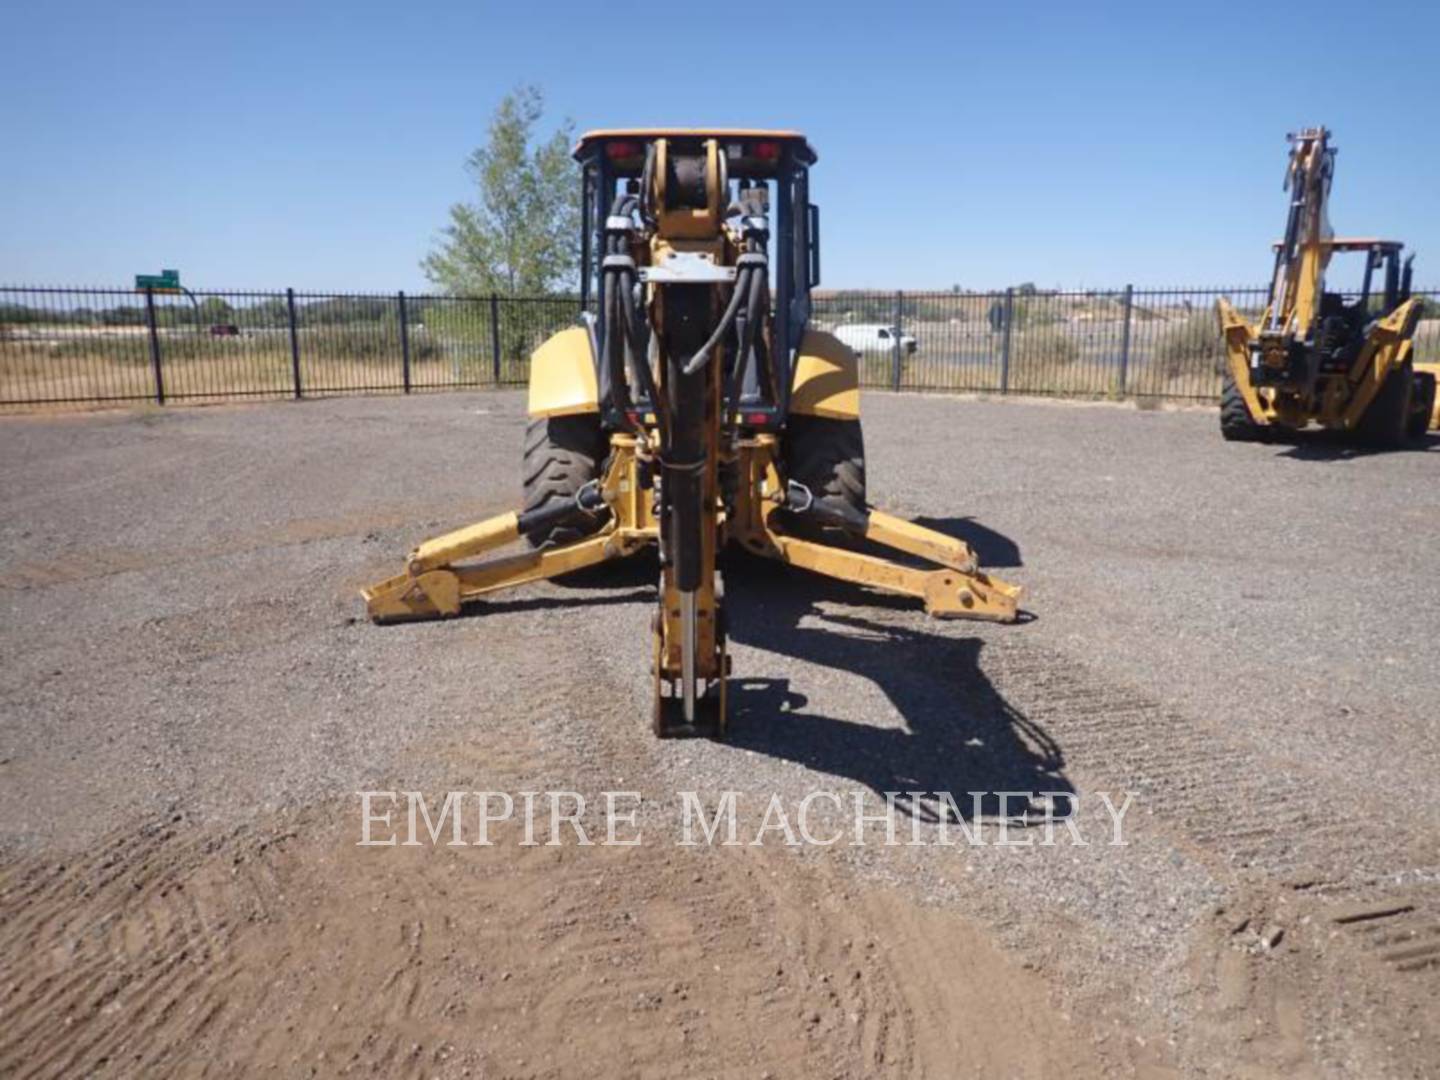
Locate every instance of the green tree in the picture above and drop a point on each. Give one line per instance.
(522, 235)
(123, 315)
(215, 309)
(270, 312)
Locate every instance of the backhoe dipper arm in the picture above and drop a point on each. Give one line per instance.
(1301, 257)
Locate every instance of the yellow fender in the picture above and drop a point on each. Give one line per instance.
(562, 375)
(827, 378)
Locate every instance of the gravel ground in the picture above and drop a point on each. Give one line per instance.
(1243, 637)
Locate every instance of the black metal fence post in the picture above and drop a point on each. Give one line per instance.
(898, 351)
(404, 344)
(155, 363)
(1125, 340)
(294, 343)
(1009, 320)
(495, 337)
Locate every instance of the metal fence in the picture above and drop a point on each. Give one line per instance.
(96, 346)
(72, 346)
(1150, 343)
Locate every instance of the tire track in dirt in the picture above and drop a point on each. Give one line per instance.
(1244, 810)
(176, 949)
(145, 924)
(252, 952)
(882, 977)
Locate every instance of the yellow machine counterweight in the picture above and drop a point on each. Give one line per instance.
(697, 408)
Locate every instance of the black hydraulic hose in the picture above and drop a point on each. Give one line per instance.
(634, 341)
(764, 363)
(587, 501)
(722, 162)
(647, 180)
(731, 398)
(631, 317)
(702, 356)
(613, 347)
(622, 285)
(624, 204)
(801, 500)
(749, 333)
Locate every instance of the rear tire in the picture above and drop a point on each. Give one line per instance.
(562, 454)
(1236, 423)
(1422, 406)
(1385, 425)
(828, 457)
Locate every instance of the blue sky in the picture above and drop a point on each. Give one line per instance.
(264, 145)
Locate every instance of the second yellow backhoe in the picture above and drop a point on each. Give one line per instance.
(1344, 362)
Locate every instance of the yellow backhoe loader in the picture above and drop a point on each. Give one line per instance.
(1321, 357)
(693, 409)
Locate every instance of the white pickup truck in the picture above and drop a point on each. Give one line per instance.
(873, 338)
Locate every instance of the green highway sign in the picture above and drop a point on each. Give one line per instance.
(165, 281)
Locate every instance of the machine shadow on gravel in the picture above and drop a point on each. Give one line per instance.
(1330, 446)
(993, 550)
(512, 604)
(627, 581)
(960, 734)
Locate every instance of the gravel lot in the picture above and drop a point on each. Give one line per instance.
(1243, 637)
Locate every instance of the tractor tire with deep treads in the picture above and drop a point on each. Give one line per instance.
(562, 455)
(1385, 424)
(1422, 407)
(1236, 423)
(828, 457)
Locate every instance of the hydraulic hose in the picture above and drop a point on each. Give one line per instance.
(702, 356)
(737, 369)
(624, 349)
(617, 341)
(647, 180)
(749, 335)
(637, 344)
(613, 349)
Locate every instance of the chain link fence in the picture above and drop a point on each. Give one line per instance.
(79, 346)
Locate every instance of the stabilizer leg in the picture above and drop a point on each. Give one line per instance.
(433, 585)
(951, 592)
(435, 593)
(957, 589)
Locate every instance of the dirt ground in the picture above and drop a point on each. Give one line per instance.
(1240, 638)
